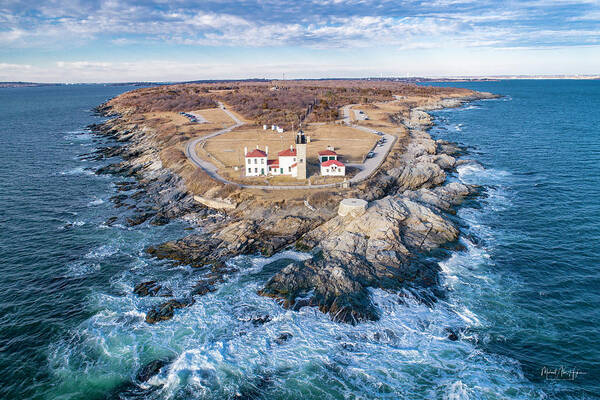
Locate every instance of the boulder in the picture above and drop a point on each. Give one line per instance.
(151, 369)
(166, 310)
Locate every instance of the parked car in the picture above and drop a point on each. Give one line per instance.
(370, 154)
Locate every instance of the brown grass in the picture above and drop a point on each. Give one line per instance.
(322, 198)
(215, 116)
(172, 156)
(351, 144)
(197, 181)
(226, 190)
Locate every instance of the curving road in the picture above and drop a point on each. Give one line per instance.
(208, 167)
(367, 168)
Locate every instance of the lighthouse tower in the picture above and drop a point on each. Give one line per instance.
(301, 154)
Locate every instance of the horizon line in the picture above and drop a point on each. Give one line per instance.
(375, 78)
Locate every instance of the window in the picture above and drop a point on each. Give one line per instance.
(256, 170)
(255, 161)
(294, 159)
(289, 169)
(249, 170)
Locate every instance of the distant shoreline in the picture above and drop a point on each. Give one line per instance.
(492, 78)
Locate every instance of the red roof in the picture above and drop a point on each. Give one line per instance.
(273, 163)
(332, 162)
(287, 153)
(256, 153)
(327, 153)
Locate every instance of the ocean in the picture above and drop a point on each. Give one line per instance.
(522, 292)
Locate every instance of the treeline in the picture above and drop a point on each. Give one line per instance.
(283, 107)
(289, 105)
(166, 98)
(284, 103)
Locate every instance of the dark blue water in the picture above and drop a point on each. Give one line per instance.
(540, 147)
(525, 291)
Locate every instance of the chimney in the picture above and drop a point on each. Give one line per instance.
(291, 147)
(256, 147)
(245, 151)
(267, 150)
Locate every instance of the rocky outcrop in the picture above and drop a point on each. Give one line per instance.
(443, 198)
(151, 369)
(371, 250)
(151, 288)
(264, 231)
(417, 119)
(378, 248)
(166, 310)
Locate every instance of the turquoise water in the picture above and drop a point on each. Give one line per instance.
(523, 294)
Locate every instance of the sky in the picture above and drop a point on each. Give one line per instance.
(162, 40)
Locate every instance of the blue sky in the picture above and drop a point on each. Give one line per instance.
(101, 41)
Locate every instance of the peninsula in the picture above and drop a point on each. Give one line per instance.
(203, 153)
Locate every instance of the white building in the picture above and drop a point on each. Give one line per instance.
(274, 167)
(327, 155)
(256, 161)
(288, 164)
(333, 168)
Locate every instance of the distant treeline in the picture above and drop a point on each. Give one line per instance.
(26, 84)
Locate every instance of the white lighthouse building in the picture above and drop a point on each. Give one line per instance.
(301, 154)
(291, 162)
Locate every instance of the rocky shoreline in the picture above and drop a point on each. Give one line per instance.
(409, 214)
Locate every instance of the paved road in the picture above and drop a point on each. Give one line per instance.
(208, 167)
(367, 168)
(380, 152)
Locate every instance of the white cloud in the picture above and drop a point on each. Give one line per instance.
(70, 23)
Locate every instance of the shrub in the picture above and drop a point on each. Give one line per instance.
(226, 190)
(320, 199)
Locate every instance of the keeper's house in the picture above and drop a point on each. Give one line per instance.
(256, 161)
